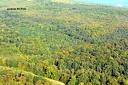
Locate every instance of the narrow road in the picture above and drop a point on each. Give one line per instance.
(54, 82)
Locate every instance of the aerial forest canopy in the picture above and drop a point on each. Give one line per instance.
(51, 42)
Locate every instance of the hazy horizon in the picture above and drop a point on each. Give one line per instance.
(118, 3)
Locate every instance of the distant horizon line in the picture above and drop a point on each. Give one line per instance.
(116, 4)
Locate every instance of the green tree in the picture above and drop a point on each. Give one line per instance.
(83, 78)
(72, 80)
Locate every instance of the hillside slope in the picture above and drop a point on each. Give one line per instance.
(19, 77)
(74, 43)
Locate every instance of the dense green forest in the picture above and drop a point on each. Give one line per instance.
(52, 40)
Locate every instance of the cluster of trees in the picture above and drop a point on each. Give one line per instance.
(11, 76)
(93, 65)
(77, 44)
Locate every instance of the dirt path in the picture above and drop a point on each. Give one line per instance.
(54, 82)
